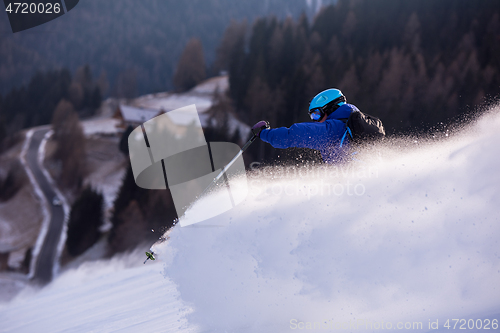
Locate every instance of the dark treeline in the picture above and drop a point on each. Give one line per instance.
(135, 44)
(411, 63)
(34, 104)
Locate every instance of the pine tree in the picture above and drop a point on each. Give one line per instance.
(86, 216)
(191, 66)
(229, 45)
(126, 84)
(71, 150)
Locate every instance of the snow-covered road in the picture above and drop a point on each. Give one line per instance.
(412, 236)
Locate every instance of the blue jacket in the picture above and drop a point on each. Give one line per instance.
(325, 137)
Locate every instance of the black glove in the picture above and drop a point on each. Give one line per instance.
(259, 127)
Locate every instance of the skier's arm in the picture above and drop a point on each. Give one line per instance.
(300, 135)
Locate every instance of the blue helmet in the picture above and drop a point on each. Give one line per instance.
(326, 101)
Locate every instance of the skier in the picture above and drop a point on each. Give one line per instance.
(328, 133)
(150, 256)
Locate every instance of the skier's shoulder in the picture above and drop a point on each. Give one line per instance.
(343, 112)
(336, 121)
(351, 107)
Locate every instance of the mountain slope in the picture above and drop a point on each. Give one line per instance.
(413, 238)
(128, 38)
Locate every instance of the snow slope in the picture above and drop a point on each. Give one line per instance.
(409, 235)
(415, 239)
(120, 294)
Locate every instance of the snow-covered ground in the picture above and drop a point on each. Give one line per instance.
(100, 125)
(120, 294)
(408, 237)
(202, 96)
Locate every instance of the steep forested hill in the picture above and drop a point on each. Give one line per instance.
(128, 39)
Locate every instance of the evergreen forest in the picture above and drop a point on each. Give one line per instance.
(414, 64)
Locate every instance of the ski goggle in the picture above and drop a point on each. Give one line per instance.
(316, 114)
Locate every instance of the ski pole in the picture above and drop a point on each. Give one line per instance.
(209, 187)
(242, 150)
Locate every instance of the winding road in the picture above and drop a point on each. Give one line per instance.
(47, 257)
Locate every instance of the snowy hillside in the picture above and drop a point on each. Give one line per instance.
(202, 96)
(408, 236)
